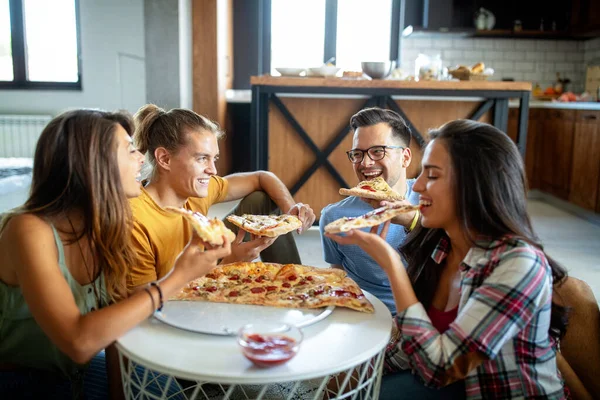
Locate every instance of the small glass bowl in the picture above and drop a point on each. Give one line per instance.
(268, 345)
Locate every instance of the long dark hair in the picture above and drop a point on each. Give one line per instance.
(490, 190)
(75, 168)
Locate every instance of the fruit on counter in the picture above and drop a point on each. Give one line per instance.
(567, 96)
(537, 90)
(478, 68)
(550, 91)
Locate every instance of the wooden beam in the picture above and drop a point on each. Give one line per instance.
(212, 69)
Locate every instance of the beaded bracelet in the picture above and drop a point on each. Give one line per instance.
(151, 298)
(160, 295)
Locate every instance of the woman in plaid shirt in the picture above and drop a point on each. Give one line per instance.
(475, 312)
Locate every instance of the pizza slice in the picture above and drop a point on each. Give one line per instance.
(372, 218)
(266, 225)
(376, 189)
(211, 231)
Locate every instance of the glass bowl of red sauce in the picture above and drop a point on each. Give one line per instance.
(269, 345)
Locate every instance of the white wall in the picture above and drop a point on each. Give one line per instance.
(113, 63)
(185, 54)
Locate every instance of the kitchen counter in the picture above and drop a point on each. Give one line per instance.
(245, 96)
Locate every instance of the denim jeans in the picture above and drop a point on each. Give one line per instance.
(405, 385)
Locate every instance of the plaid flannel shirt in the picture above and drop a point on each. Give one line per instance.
(499, 342)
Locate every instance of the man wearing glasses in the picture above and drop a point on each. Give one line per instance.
(380, 147)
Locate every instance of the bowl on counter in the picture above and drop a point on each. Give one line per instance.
(269, 344)
(378, 69)
(290, 71)
(324, 71)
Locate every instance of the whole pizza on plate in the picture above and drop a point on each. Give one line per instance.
(271, 284)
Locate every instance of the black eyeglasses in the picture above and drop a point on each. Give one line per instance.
(375, 153)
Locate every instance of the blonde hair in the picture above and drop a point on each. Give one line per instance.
(155, 127)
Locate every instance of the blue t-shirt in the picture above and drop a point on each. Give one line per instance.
(358, 264)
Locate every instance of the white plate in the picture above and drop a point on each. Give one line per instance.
(290, 71)
(227, 319)
(324, 71)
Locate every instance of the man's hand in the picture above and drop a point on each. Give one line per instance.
(304, 214)
(247, 251)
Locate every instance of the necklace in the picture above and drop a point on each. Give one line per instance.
(90, 274)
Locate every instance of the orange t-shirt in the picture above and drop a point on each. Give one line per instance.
(159, 236)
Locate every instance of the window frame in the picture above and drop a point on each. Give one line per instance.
(19, 55)
(330, 40)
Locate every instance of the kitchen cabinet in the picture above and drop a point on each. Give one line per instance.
(585, 173)
(556, 151)
(555, 19)
(533, 142)
(585, 17)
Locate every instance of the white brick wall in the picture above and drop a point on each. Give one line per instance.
(532, 60)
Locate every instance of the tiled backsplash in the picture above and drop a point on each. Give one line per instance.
(537, 61)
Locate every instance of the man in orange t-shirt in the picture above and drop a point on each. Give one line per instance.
(182, 148)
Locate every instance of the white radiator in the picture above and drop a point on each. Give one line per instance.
(19, 134)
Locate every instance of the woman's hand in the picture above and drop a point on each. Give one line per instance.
(373, 244)
(198, 258)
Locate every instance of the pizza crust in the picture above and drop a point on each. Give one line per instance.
(376, 189)
(210, 231)
(372, 218)
(266, 225)
(390, 196)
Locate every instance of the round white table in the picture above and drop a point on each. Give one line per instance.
(347, 341)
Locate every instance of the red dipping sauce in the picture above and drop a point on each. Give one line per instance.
(268, 344)
(269, 350)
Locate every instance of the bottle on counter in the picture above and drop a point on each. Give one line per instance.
(518, 26)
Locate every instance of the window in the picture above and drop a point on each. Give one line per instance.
(39, 44)
(308, 33)
(363, 33)
(297, 33)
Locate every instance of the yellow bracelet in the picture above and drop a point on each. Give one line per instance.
(414, 221)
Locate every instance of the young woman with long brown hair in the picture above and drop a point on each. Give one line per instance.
(475, 312)
(65, 253)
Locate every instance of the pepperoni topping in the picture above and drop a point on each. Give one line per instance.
(286, 285)
(318, 292)
(367, 187)
(302, 282)
(343, 293)
(309, 278)
(211, 276)
(196, 288)
(292, 278)
(257, 290)
(211, 289)
(234, 278)
(234, 293)
(259, 280)
(247, 280)
(302, 296)
(271, 288)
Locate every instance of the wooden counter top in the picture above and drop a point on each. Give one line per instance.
(267, 80)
